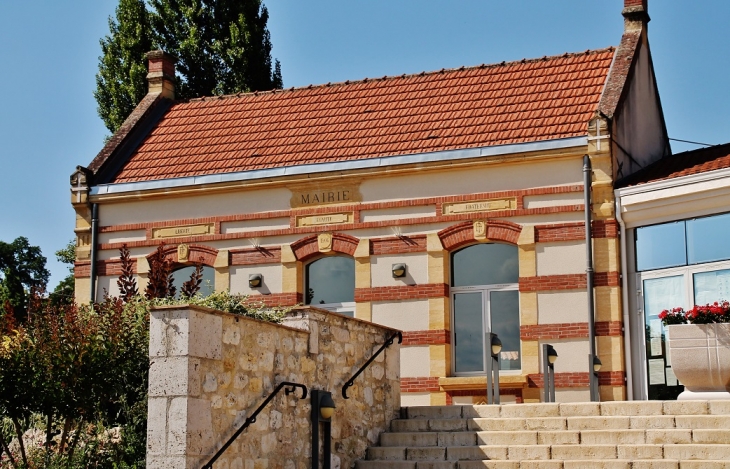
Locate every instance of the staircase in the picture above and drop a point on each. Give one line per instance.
(609, 435)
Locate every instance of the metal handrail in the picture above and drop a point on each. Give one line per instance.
(252, 418)
(351, 381)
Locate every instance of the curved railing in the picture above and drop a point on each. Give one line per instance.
(252, 418)
(350, 382)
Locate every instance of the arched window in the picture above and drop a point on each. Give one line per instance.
(485, 298)
(330, 284)
(182, 275)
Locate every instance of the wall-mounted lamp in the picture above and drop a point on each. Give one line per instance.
(255, 280)
(399, 270)
(549, 357)
(323, 407)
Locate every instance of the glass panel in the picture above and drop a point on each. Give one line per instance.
(331, 280)
(207, 286)
(660, 294)
(504, 308)
(468, 332)
(485, 264)
(660, 246)
(711, 286)
(707, 239)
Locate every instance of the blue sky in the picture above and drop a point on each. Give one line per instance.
(49, 53)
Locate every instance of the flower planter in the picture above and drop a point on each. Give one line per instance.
(700, 356)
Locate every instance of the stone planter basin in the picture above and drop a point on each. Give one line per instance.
(700, 355)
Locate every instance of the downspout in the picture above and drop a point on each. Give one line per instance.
(94, 250)
(587, 180)
(625, 301)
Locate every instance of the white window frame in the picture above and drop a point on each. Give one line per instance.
(485, 290)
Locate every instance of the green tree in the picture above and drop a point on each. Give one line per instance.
(64, 291)
(222, 46)
(121, 82)
(22, 271)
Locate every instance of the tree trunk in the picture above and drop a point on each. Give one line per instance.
(4, 447)
(19, 432)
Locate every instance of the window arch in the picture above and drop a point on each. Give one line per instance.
(485, 298)
(329, 283)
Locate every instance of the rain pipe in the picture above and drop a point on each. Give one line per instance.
(587, 180)
(94, 243)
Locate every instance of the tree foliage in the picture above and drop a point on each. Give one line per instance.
(222, 46)
(121, 82)
(64, 291)
(22, 271)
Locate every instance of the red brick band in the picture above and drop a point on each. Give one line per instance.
(421, 384)
(277, 299)
(575, 231)
(577, 380)
(254, 256)
(567, 281)
(401, 245)
(569, 330)
(404, 292)
(430, 337)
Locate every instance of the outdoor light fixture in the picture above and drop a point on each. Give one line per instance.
(596, 364)
(549, 357)
(491, 360)
(323, 407)
(399, 270)
(255, 280)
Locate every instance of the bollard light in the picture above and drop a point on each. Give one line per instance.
(552, 355)
(596, 364)
(323, 407)
(326, 406)
(496, 346)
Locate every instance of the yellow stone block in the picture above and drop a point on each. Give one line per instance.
(221, 260)
(611, 352)
(433, 243)
(612, 393)
(143, 266)
(362, 273)
(222, 279)
(608, 304)
(83, 220)
(363, 249)
(438, 398)
(606, 255)
(82, 290)
(440, 356)
(364, 311)
(528, 308)
(531, 395)
(439, 316)
(438, 267)
(530, 356)
(287, 255)
(527, 236)
(528, 260)
(291, 277)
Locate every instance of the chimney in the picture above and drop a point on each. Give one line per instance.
(161, 73)
(635, 13)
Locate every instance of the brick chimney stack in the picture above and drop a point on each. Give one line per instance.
(636, 13)
(161, 73)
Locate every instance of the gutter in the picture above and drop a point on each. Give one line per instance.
(625, 300)
(94, 248)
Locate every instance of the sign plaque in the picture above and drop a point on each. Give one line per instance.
(181, 231)
(490, 205)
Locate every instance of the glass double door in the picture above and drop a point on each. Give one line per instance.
(477, 311)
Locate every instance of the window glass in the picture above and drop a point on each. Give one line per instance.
(207, 286)
(468, 332)
(504, 309)
(707, 239)
(330, 280)
(485, 264)
(711, 286)
(660, 246)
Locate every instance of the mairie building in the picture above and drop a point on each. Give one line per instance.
(447, 204)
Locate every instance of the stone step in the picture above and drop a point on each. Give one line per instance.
(542, 464)
(575, 409)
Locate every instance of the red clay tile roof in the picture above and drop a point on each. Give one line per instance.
(525, 101)
(682, 164)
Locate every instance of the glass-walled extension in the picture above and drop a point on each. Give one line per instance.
(678, 264)
(485, 298)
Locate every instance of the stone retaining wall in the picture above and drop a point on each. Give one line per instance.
(209, 370)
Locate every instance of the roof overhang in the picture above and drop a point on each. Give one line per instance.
(321, 168)
(675, 199)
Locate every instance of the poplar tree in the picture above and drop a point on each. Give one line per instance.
(222, 47)
(121, 82)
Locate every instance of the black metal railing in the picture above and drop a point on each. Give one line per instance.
(252, 418)
(351, 381)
